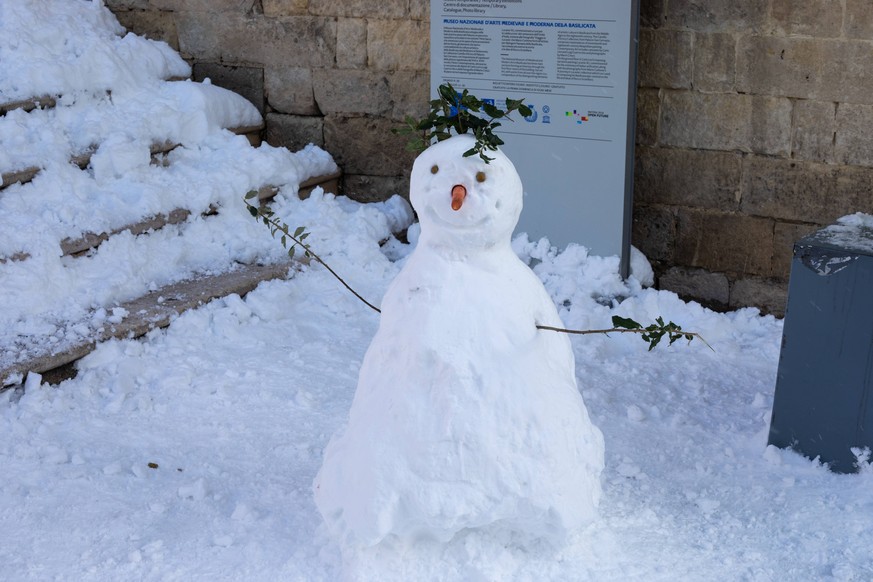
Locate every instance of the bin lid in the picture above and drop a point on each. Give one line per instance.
(850, 234)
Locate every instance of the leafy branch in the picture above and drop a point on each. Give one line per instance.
(300, 234)
(652, 334)
(459, 112)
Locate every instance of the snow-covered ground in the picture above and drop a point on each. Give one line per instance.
(190, 454)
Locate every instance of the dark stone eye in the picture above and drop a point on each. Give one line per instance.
(434, 169)
(480, 176)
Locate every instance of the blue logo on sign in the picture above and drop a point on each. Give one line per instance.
(533, 116)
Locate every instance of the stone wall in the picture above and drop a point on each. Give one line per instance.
(755, 127)
(754, 116)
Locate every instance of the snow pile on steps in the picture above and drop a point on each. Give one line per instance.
(50, 47)
(174, 112)
(113, 103)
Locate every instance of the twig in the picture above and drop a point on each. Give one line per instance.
(617, 330)
(255, 211)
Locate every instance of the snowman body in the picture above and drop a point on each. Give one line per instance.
(465, 415)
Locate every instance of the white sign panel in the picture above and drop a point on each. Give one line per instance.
(574, 63)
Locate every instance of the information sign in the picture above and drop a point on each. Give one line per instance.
(574, 63)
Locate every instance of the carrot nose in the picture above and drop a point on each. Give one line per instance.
(458, 195)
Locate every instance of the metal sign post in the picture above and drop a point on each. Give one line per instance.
(574, 63)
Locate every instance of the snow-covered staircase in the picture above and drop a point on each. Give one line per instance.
(74, 337)
(121, 203)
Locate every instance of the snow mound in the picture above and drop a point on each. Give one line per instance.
(54, 47)
(466, 416)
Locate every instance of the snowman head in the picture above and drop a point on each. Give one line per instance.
(464, 202)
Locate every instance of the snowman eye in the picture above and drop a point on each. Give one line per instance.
(434, 169)
(480, 176)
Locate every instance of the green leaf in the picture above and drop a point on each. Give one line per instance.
(253, 211)
(625, 323)
(459, 113)
(251, 194)
(299, 231)
(447, 93)
(492, 111)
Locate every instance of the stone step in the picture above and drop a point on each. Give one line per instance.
(25, 175)
(81, 245)
(88, 241)
(49, 101)
(28, 104)
(77, 247)
(154, 310)
(328, 182)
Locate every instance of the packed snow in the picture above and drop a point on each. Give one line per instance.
(465, 416)
(50, 48)
(190, 454)
(853, 233)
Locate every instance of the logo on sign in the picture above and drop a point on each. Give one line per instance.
(533, 114)
(578, 117)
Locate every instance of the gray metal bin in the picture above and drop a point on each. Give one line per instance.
(824, 385)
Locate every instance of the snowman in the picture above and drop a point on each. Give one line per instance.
(466, 415)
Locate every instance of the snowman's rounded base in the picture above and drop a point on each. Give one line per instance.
(450, 454)
(411, 509)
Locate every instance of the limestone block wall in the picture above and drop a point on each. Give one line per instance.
(754, 118)
(337, 73)
(755, 127)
